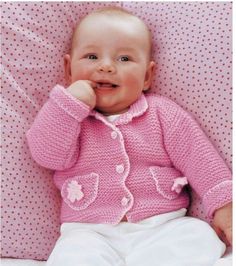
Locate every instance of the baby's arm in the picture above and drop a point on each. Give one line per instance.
(53, 137)
(194, 155)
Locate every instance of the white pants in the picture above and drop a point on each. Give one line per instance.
(170, 239)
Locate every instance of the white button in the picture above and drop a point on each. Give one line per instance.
(114, 134)
(124, 201)
(120, 168)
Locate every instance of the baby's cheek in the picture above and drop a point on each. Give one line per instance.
(135, 78)
(80, 72)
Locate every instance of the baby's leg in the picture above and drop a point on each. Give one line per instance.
(83, 248)
(180, 242)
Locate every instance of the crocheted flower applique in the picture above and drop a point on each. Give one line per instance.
(179, 183)
(74, 190)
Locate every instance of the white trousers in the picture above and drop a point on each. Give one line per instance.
(169, 239)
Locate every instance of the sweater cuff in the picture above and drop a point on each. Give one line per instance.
(74, 107)
(217, 197)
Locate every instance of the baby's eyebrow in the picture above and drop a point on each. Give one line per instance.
(126, 49)
(91, 46)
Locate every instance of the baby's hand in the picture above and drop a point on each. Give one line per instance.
(83, 91)
(222, 223)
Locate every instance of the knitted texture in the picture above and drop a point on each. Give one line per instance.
(106, 170)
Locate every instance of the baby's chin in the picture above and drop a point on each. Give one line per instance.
(110, 111)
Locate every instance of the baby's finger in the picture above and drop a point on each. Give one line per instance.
(92, 83)
(228, 236)
(221, 235)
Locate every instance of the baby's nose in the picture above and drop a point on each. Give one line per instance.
(107, 67)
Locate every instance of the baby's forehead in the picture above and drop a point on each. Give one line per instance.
(90, 19)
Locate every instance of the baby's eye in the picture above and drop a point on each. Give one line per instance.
(92, 56)
(124, 58)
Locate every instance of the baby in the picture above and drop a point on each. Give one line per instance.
(122, 158)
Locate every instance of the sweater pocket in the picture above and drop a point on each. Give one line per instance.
(80, 191)
(168, 180)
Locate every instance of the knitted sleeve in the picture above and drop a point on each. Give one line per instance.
(53, 137)
(194, 155)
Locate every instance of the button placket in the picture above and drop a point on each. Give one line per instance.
(122, 167)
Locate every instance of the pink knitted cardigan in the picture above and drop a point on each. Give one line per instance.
(136, 166)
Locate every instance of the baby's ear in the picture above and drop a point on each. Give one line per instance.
(67, 68)
(149, 75)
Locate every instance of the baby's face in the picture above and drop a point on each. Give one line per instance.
(113, 52)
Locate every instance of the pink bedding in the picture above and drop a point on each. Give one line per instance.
(192, 48)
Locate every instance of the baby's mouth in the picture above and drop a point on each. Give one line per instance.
(106, 85)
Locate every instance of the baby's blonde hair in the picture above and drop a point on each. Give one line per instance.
(111, 11)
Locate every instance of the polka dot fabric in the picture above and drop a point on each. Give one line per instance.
(192, 49)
